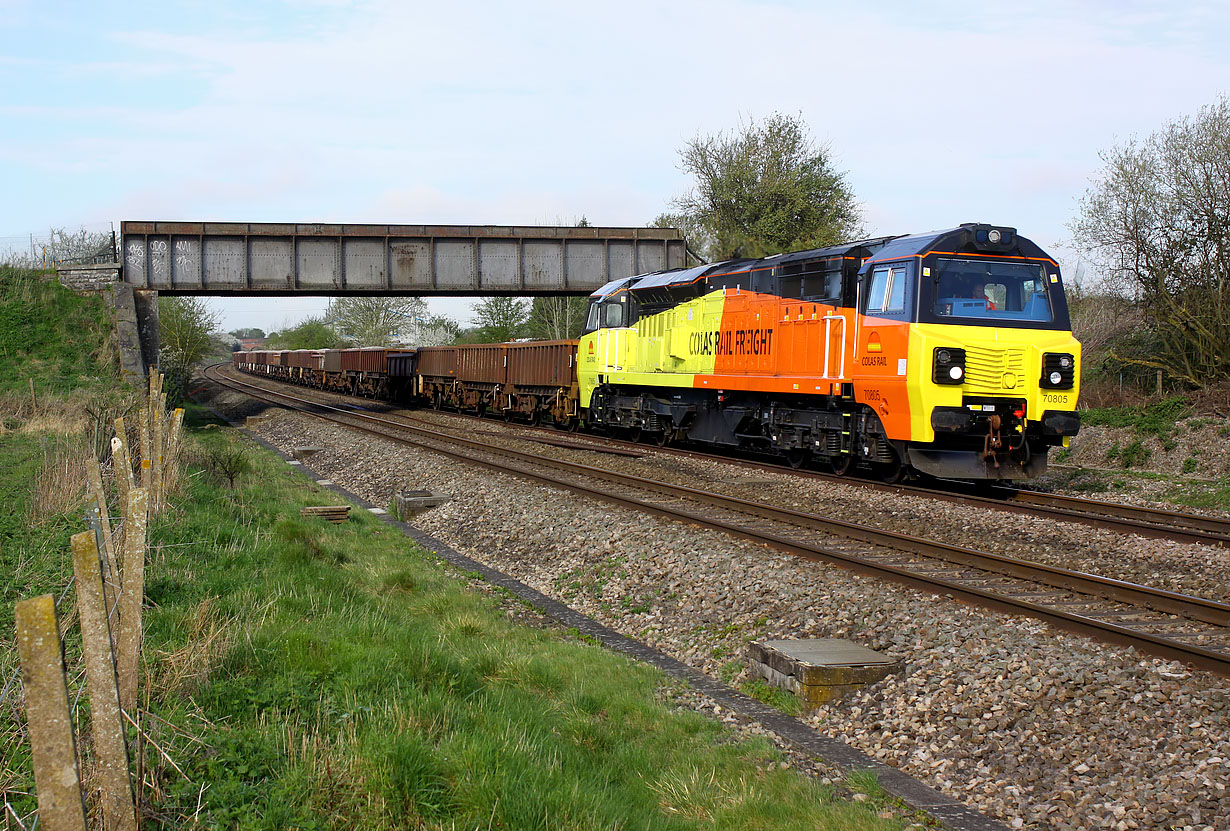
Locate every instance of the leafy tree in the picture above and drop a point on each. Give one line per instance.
(374, 321)
(1157, 222)
(250, 332)
(185, 334)
(556, 318)
(312, 333)
(185, 327)
(438, 331)
(766, 188)
(500, 319)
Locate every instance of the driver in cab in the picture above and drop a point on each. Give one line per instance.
(979, 292)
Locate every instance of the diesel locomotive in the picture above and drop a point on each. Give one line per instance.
(948, 353)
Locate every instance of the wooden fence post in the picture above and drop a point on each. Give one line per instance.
(128, 646)
(60, 803)
(111, 579)
(158, 431)
(145, 449)
(122, 463)
(106, 721)
(174, 438)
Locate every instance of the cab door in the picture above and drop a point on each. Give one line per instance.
(880, 353)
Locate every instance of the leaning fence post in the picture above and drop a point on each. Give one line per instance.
(60, 803)
(112, 577)
(128, 644)
(106, 722)
(155, 487)
(110, 598)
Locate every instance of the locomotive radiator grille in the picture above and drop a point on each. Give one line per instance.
(993, 371)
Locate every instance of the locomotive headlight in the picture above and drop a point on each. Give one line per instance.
(1058, 371)
(948, 365)
(993, 235)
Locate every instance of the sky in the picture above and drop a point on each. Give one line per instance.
(544, 112)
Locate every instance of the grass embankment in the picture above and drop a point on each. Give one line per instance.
(345, 677)
(1162, 447)
(304, 675)
(62, 342)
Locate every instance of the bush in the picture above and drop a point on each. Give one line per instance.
(225, 460)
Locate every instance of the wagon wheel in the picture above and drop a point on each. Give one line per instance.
(536, 417)
(574, 424)
(796, 457)
(508, 415)
(843, 464)
(437, 400)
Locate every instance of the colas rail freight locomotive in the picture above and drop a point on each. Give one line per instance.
(948, 353)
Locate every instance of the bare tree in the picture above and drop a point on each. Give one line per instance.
(557, 318)
(64, 247)
(1157, 220)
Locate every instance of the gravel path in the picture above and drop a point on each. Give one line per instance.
(1036, 727)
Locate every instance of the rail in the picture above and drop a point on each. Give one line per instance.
(1111, 610)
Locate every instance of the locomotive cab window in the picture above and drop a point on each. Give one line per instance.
(989, 290)
(886, 291)
(613, 315)
(593, 318)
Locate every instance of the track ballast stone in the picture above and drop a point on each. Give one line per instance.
(1030, 725)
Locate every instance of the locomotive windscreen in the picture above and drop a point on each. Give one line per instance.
(991, 290)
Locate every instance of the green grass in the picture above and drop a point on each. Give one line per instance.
(314, 676)
(1210, 495)
(1156, 419)
(762, 690)
(31, 552)
(52, 335)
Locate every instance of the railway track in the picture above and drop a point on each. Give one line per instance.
(1155, 621)
(1154, 523)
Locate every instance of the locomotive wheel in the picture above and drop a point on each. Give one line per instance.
(843, 464)
(664, 438)
(891, 472)
(635, 434)
(796, 457)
